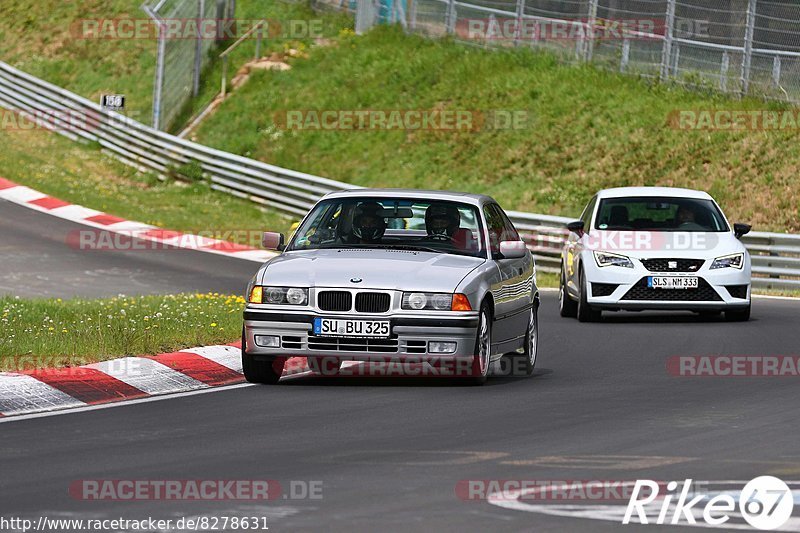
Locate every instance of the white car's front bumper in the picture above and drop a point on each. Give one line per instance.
(614, 287)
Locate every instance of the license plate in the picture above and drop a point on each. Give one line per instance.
(335, 327)
(673, 282)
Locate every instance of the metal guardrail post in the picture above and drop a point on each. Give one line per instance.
(666, 52)
(747, 56)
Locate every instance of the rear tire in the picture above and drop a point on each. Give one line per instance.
(585, 311)
(527, 359)
(566, 305)
(267, 372)
(739, 315)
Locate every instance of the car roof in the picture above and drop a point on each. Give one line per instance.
(421, 194)
(669, 192)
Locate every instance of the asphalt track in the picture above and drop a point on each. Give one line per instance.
(37, 261)
(390, 451)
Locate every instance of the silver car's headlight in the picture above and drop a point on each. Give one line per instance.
(278, 295)
(729, 261)
(434, 301)
(604, 259)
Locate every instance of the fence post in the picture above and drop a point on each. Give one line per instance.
(520, 12)
(259, 37)
(776, 71)
(591, 21)
(451, 16)
(747, 56)
(666, 52)
(412, 15)
(626, 54)
(723, 71)
(198, 52)
(158, 90)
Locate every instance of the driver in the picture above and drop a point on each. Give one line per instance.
(442, 221)
(368, 225)
(685, 215)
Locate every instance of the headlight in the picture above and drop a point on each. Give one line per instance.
(729, 261)
(434, 301)
(278, 295)
(605, 259)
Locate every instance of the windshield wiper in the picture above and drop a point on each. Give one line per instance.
(412, 247)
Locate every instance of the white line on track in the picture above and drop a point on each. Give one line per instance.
(171, 396)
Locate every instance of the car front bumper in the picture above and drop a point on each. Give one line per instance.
(614, 288)
(409, 337)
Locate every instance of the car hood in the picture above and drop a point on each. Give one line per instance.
(665, 244)
(377, 269)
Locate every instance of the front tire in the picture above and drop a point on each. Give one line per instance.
(586, 313)
(566, 305)
(267, 372)
(738, 315)
(483, 347)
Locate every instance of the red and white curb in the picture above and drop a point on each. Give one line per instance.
(33, 199)
(125, 379)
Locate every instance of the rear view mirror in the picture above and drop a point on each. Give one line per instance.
(740, 230)
(513, 249)
(272, 241)
(576, 227)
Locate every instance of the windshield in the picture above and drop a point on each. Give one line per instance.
(392, 223)
(660, 214)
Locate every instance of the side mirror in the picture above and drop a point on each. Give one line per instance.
(576, 227)
(272, 241)
(740, 230)
(513, 249)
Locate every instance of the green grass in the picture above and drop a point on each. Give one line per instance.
(52, 333)
(40, 38)
(590, 129)
(78, 174)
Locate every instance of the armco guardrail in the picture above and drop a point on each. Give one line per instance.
(776, 257)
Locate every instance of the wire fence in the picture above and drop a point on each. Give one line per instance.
(181, 60)
(746, 47)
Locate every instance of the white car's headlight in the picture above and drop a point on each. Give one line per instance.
(729, 261)
(605, 259)
(278, 295)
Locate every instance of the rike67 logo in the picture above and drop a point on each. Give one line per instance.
(765, 503)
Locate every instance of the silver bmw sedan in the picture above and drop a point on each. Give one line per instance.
(430, 277)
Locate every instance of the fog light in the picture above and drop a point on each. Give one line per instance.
(441, 347)
(268, 341)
